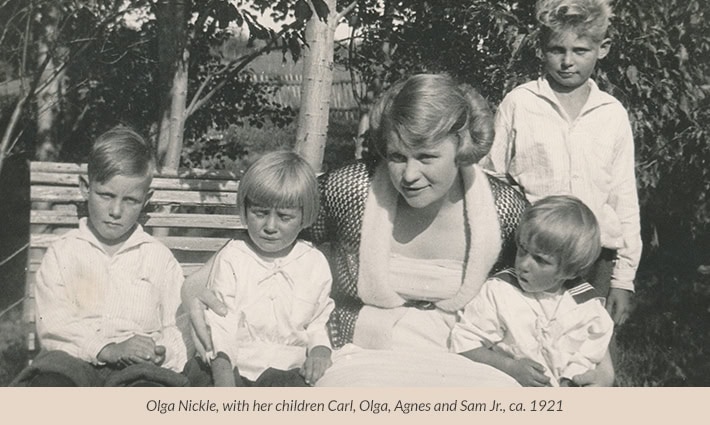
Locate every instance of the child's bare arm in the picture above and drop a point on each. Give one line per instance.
(527, 372)
(222, 371)
(618, 304)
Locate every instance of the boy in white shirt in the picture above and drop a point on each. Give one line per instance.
(108, 293)
(560, 134)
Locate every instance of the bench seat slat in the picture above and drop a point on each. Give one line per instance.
(153, 219)
(181, 243)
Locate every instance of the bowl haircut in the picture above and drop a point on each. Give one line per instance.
(280, 179)
(562, 226)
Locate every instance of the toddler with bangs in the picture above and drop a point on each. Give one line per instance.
(276, 287)
(541, 322)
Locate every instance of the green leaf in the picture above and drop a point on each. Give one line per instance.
(322, 9)
(302, 11)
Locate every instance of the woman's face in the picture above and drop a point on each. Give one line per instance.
(423, 175)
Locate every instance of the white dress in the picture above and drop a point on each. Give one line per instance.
(418, 353)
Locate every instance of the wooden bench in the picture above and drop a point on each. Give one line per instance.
(196, 209)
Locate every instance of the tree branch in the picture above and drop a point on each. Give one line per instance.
(233, 68)
(347, 9)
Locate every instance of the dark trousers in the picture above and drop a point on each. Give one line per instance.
(600, 274)
(600, 279)
(59, 369)
(272, 378)
(200, 375)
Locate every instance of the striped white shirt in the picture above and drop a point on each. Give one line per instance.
(87, 299)
(590, 157)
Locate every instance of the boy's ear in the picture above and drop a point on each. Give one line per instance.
(148, 195)
(604, 48)
(84, 186)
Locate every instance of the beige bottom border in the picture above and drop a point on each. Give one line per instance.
(353, 406)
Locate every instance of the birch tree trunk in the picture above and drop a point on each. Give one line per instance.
(316, 87)
(174, 57)
(48, 95)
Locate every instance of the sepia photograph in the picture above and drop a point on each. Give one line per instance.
(355, 193)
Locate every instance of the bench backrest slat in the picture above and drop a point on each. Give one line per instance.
(152, 219)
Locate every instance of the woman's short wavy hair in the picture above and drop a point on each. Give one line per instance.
(583, 17)
(423, 108)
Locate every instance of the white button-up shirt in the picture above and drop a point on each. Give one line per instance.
(590, 157)
(87, 299)
(277, 310)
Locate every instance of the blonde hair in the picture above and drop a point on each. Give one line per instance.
(120, 151)
(423, 108)
(280, 179)
(564, 227)
(583, 17)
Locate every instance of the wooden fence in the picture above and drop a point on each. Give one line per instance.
(288, 93)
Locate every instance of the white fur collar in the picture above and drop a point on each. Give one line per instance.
(483, 240)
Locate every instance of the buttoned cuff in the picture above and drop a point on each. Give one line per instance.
(319, 339)
(93, 348)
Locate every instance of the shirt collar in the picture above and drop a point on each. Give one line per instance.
(596, 97)
(137, 237)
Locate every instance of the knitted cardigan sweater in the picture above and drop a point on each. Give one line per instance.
(344, 193)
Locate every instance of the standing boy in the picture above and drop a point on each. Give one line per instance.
(107, 292)
(560, 134)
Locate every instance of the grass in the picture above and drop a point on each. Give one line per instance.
(665, 342)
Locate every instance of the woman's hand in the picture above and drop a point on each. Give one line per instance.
(197, 297)
(602, 376)
(203, 300)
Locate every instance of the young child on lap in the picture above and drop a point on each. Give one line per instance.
(276, 287)
(541, 323)
(560, 134)
(108, 293)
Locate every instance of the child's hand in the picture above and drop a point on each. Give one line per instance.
(529, 373)
(317, 362)
(618, 304)
(136, 349)
(159, 357)
(601, 376)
